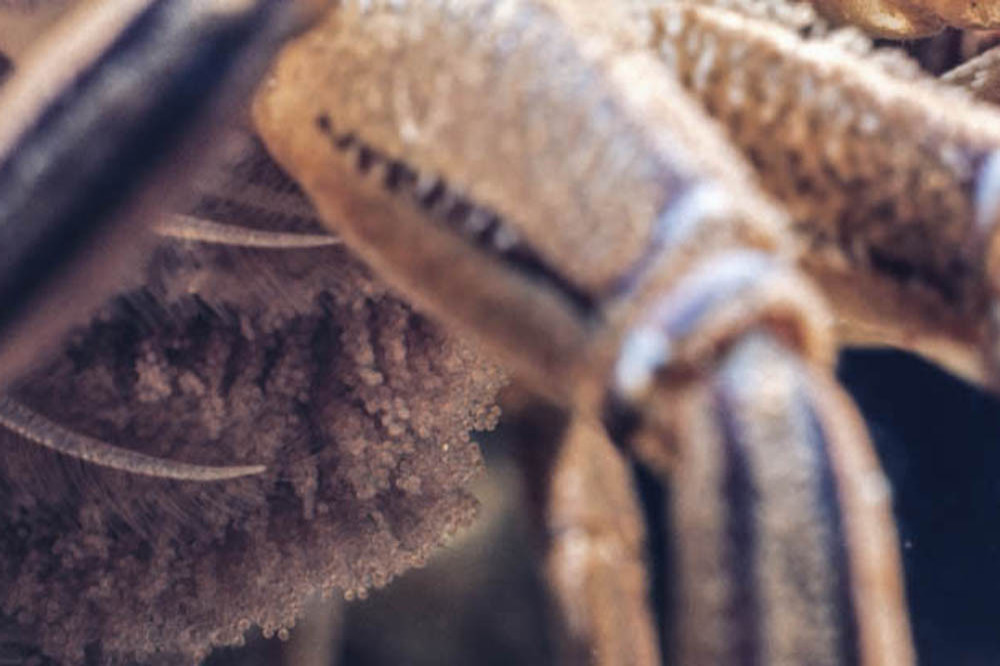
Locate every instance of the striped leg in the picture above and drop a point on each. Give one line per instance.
(783, 534)
(780, 516)
(621, 260)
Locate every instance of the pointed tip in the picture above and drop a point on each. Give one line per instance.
(37, 429)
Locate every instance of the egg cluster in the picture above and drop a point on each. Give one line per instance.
(299, 360)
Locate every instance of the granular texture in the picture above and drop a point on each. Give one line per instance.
(296, 359)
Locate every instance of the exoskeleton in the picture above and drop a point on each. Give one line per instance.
(912, 18)
(554, 192)
(538, 175)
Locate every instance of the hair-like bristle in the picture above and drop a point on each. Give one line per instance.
(360, 408)
(36, 428)
(191, 228)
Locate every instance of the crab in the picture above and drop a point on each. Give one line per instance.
(543, 176)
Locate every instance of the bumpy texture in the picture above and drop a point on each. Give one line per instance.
(299, 360)
(912, 18)
(865, 156)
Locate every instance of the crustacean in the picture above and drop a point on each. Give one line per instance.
(543, 175)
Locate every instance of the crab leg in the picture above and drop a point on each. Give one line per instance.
(912, 18)
(891, 177)
(594, 552)
(979, 75)
(555, 194)
(783, 535)
(95, 126)
(84, 135)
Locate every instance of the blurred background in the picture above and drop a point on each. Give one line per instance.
(481, 599)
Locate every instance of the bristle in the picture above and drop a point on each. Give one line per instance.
(216, 352)
(191, 228)
(359, 407)
(36, 428)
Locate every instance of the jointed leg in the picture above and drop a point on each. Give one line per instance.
(595, 553)
(783, 534)
(980, 76)
(890, 176)
(697, 338)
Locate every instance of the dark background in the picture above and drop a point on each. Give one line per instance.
(481, 601)
(939, 442)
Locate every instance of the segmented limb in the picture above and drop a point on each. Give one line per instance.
(594, 553)
(39, 430)
(892, 178)
(96, 126)
(781, 515)
(979, 75)
(620, 259)
(912, 18)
